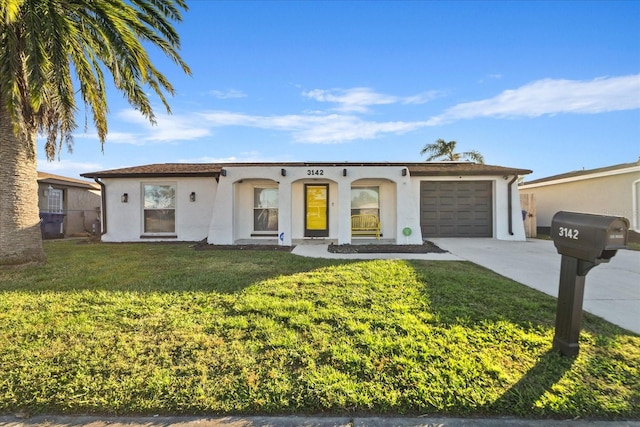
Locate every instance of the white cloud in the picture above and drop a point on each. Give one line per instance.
(67, 168)
(359, 99)
(227, 94)
(320, 129)
(244, 157)
(168, 128)
(346, 122)
(421, 98)
(549, 97)
(490, 77)
(336, 129)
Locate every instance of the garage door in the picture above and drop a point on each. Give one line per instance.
(456, 208)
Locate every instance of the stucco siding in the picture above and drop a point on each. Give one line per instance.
(80, 206)
(607, 195)
(192, 218)
(232, 218)
(83, 211)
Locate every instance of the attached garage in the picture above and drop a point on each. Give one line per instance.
(456, 208)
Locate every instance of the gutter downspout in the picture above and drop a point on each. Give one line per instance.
(510, 204)
(103, 197)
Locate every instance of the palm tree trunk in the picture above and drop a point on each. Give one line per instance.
(20, 238)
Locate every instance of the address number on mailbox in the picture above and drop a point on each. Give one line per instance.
(569, 233)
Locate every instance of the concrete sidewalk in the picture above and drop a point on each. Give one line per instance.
(612, 289)
(298, 421)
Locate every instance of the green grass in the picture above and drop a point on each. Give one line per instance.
(164, 329)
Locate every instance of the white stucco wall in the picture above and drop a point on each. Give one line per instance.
(125, 220)
(232, 213)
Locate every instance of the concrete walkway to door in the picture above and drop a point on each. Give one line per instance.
(612, 290)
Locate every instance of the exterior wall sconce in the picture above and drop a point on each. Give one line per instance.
(283, 172)
(223, 172)
(344, 172)
(48, 191)
(192, 196)
(124, 198)
(404, 172)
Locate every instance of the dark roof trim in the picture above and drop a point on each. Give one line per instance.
(159, 171)
(109, 174)
(63, 181)
(583, 173)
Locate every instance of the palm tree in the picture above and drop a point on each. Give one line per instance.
(51, 53)
(447, 151)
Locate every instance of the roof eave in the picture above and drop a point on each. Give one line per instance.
(471, 172)
(95, 175)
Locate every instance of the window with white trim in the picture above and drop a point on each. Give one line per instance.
(159, 208)
(54, 200)
(365, 201)
(265, 210)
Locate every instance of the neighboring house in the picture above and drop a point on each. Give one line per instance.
(289, 203)
(68, 206)
(613, 190)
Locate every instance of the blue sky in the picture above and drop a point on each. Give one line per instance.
(547, 86)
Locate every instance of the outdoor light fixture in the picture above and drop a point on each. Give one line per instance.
(223, 172)
(125, 198)
(344, 172)
(283, 172)
(48, 191)
(404, 172)
(192, 196)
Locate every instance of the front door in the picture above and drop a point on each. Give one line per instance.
(316, 219)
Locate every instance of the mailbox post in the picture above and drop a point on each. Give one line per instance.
(584, 241)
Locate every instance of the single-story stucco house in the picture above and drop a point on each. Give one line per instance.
(68, 206)
(289, 203)
(612, 190)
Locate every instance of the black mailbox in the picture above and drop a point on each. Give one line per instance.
(584, 241)
(588, 237)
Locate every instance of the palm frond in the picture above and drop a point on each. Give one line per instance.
(442, 149)
(474, 155)
(47, 45)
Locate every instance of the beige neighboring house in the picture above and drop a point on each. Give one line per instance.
(68, 206)
(612, 190)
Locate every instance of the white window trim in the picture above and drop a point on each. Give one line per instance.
(254, 232)
(364, 186)
(59, 192)
(173, 233)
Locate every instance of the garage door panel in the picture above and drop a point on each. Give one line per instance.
(456, 208)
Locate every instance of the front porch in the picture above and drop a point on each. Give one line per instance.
(315, 241)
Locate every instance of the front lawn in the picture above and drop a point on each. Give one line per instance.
(165, 329)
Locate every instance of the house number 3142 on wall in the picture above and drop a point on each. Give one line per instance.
(315, 171)
(569, 233)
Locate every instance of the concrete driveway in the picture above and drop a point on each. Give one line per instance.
(612, 290)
